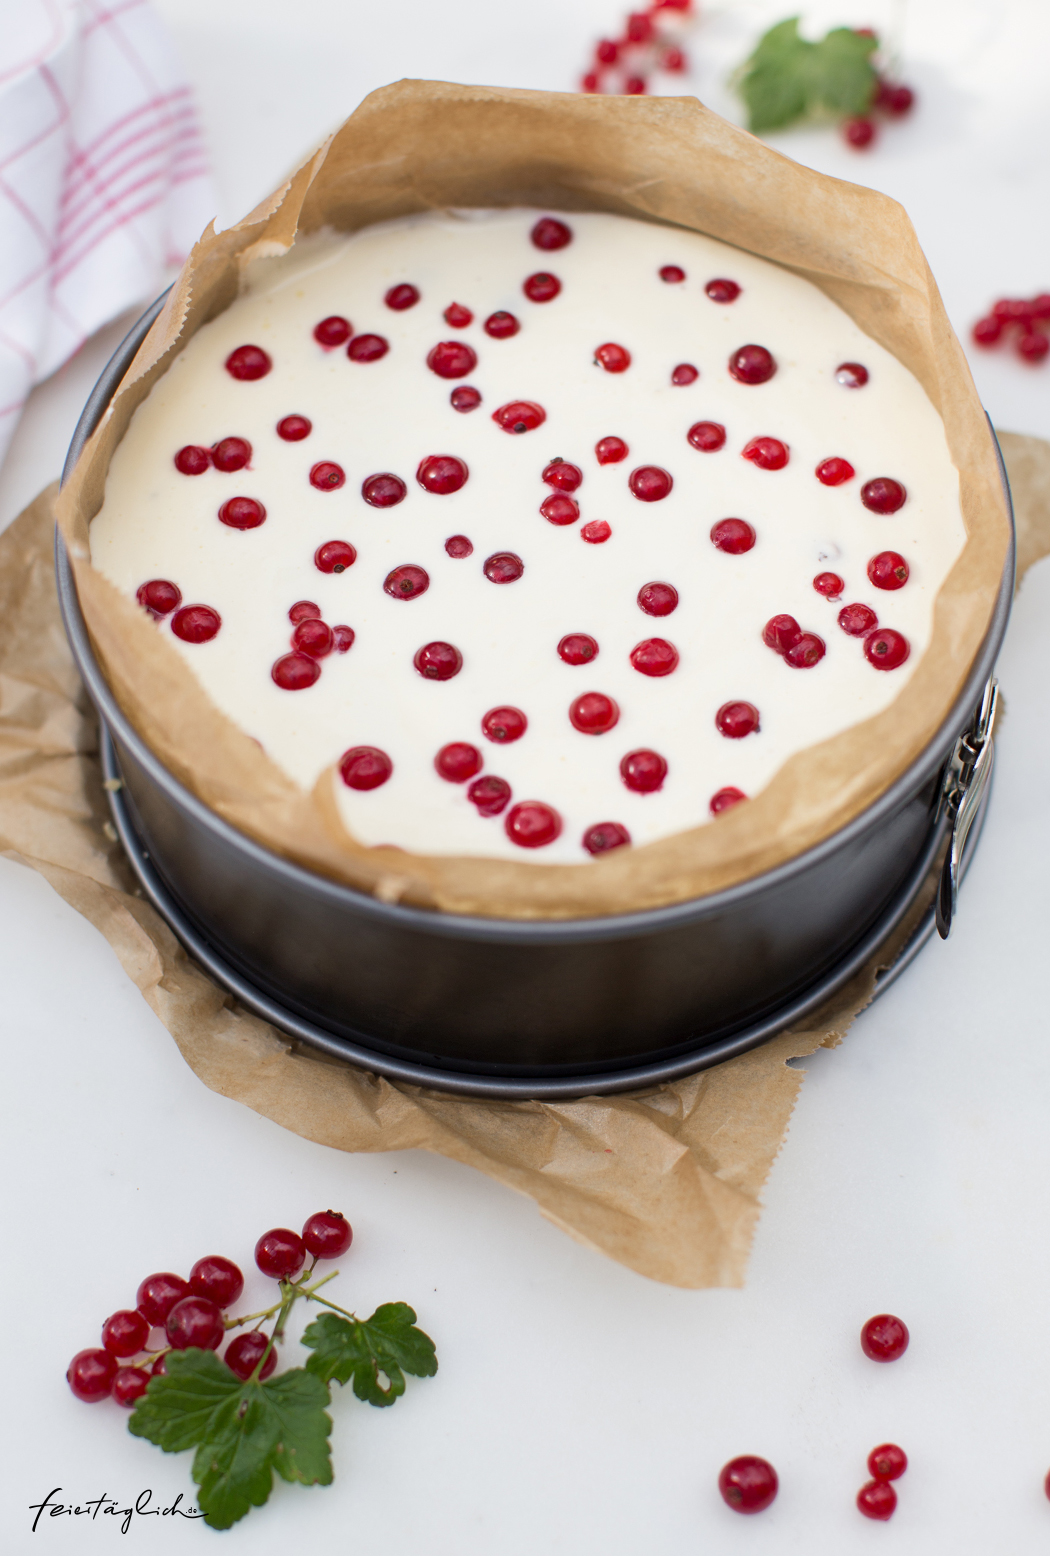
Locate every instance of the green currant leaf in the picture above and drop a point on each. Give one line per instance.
(242, 1431)
(360, 1349)
(787, 78)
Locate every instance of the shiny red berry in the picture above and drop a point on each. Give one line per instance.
(654, 657)
(501, 325)
(639, 27)
(658, 599)
(594, 714)
(766, 453)
(520, 416)
(281, 1253)
(504, 725)
(125, 1333)
(610, 451)
(129, 1385)
(851, 375)
(407, 582)
(888, 570)
(333, 331)
(752, 365)
(90, 1375)
(830, 585)
(293, 429)
(578, 648)
(438, 661)
(735, 720)
(464, 399)
(857, 620)
(327, 476)
(886, 649)
(192, 460)
(367, 348)
(364, 767)
(158, 1294)
(245, 1353)
(231, 454)
(343, 638)
(643, 772)
(722, 291)
(614, 358)
(491, 795)
(542, 287)
(159, 1368)
(987, 331)
(242, 513)
(503, 567)
(877, 1499)
(685, 373)
(532, 824)
(313, 637)
(858, 133)
(634, 86)
(216, 1278)
(458, 761)
(458, 546)
(604, 837)
(452, 359)
(196, 1322)
(606, 52)
(562, 476)
(442, 474)
(159, 597)
(887, 1462)
(402, 296)
(196, 623)
(589, 82)
(725, 799)
(248, 363)
(304, 610)
(295, 672)
(1033, 345)
(883, 495)
(808, 651)
(781, 633)
(649, 483)
(549, 233)
(734, 536)
(897, 99)
(327, 1234)
(833, 472)
(383, 490)
(672, 273)
(457, 316)
(748, 1484)
(335, 556)
(884, 1338)
(596, 533)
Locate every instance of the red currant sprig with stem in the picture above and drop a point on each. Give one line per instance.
(649, 41)
(1016, 319)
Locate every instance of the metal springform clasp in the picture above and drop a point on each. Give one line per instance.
(965, 784)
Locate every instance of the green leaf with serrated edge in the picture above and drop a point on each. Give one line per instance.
(358, 1350)
(787, 78)
(242, 1431)
(845, 78)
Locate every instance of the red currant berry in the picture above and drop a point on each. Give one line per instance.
(327, 1234)
(987, 331)
(610, 451)
(293, 429)
(614, 358)
(735, 720)
(503, 567)
(196, 1322)
(504, 725)
(281, 1253)
(367, 348)
(606, 52)
(438, 661)
(808, 651)
(725, 799)
(1033, 345)
(542, 287)
(406, 582)
(304, 610)
(1011, 310)
(158, 1294)
(333, 331)
(327, 476)
(464, 399)
(781, 633)
(887, 1462)
(685, 373)
(734, 536)
(896, 100)
(129, 1385)
(833, 472)
(452, 359)
(314, 638)
(748, 1484)
(722, 291)
(343, 638)
(562, 476)
(458, 761)
(295, 672)
(634, 86)
(752, 365)
(857, 620)
(549, 233)
(159, 1368)
(589, 82)
(639, 27)
(520, 416)
(363, 767)
(888, 570)
(883, 495)
(594, 714)
(672, 274)
(886, 649)
(858, 133)
(655, 657)
(216, 1278)
(245, 1353)
(658, 599)
(248, 363)
(605, 836)
(231, 454)
(90, 1375)
(491, 795)
(649, 483)
(442, 474)
(643, 772)
(851, 375)
(458, 546)
(335, 556)
(707, 436)
(673, 61)
(532, 824)
(596, 533)
(877, 1500)
(830, 585)
(457, 316)
(242, 513)
(766, 453)
(402, 296)
(159, 597)
(196, 623)
(192, 460)
(578, 648)
(884, 1338)
(501, 325)
(383, 490)
(125, 1333)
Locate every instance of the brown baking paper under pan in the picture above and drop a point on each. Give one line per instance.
(422, 145)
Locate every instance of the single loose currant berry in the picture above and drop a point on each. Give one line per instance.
(458, 761)
(634, 86)
(383, 490)
(245, 1353)
(314, 638)
(643, 772)
(216, 1278)
(834, 472)
(442, 474)
(896, 99)
(887, 1462)
(605, 836)
(457, 316)
(248, 363)
(501, 325)
(685, 373)
(458, 547)
(196, 623)
(542, 287)
(596, 533)
(532, 824)
(90, 1375)
(610, 451)
(781, 633)
(877, 1499)
(402, 296)
(464, 399)
(293, 429)
(280, 1252)
(562, 476)
(343, 638)
(304, 610)
(594, 714)
(673, 274)
(125, 1333)
(367, 348)
(295, 672)
(858, 133)
(578, 648)
(407, 582)
(752, 365)
(333, 331)
(658, 599)
(649, 483)
(196, 1322)
(766, 453)
(886, 649)
(327, 476)
(734, 536)
(725, 799)
(503, 567)
(748, 1484)
(192, 460)
(707, 436)
(438, 661)
(504, 725)
(614, 358)
(335, 556)
(491, 795)
(158, 1294)
(606, 52)
(242, 513)
(589, 82)
(654, 657)
(888, 570)
(363, 767)
(327, 1234)
(549, 233)
(857, 620)
(851, 375)
(722, 291)
(987, 331)
(830, 585)
(159, 597)
(1033, 345)
(129, 1385)
(883, 495)
(808, 651)
(231, 454)
(884, 1338)
(520, 416)
(736, 720)
(452, 359)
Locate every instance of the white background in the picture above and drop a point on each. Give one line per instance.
(580, 1407)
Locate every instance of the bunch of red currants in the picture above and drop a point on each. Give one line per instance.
(1016, 318)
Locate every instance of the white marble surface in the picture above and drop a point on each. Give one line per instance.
(579, 1407)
